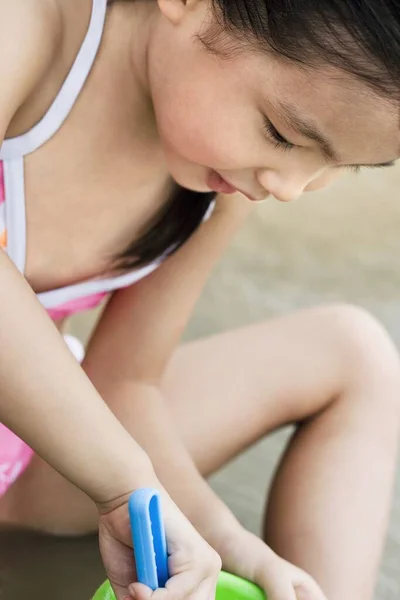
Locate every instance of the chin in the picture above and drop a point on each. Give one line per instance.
(187, 174)
(191, 185)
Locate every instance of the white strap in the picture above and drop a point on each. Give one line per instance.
(69, 92)
(14, 188)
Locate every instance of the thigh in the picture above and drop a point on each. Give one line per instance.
(224, 393)
(227, 391)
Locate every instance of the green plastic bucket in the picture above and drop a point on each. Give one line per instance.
(229, 587)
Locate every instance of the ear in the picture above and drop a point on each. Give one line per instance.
(176, 10)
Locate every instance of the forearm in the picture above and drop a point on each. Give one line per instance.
(142, 410)
(49, 402)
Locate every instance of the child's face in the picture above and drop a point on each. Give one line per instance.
(211, 114)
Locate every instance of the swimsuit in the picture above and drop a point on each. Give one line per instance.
(64, 301)
(15, 455)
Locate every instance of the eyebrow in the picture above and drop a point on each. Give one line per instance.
(310, 130)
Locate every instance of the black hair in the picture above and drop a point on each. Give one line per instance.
(357, 37)
(170, 229)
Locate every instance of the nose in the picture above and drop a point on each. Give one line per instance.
(284, 188)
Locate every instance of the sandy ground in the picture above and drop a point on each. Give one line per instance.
(340, 245)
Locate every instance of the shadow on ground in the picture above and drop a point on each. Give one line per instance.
(47, 568)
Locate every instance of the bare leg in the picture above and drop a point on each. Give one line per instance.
(338, 375)
(329, 504)
(332, 369)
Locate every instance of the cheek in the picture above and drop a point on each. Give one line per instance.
(324, 180)
(196, 125)
(184, 133)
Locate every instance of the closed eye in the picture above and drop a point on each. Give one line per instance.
(273, 135)
(357, 168)
(280, 142)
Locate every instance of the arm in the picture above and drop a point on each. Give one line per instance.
(126, 357)
(50, 403)
(42, 389)
(46, 398)
(133, 342)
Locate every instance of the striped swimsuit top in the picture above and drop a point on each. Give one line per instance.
(64, 301)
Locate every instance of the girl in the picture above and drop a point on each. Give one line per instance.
(137, 136)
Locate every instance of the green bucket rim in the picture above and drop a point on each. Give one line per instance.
(229, 587)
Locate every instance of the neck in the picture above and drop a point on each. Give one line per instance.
(130, 26)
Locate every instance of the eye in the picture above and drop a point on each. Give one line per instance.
(353, 168)
(274, 136)
(357, 168)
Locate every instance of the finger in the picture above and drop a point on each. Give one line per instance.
(178, 587)
(277, 589)
(213, 592)
(204, 591)
(118, 561)
(140, 591)
(305, 586)
(182, 586)
(309, 590)
(275, 581)
(120, 592)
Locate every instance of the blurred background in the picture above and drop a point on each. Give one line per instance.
(339, 245)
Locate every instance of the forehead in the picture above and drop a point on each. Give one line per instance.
(362, 123)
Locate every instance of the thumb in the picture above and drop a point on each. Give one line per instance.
(139, 591)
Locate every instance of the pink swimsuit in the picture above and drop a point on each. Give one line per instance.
(15, 455)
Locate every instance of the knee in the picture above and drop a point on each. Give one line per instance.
(44, 524)
(368, 356)
(38, 513)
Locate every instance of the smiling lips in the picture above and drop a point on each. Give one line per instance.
(216, 183)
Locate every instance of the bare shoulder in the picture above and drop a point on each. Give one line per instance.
(30, 17)
(29, 33)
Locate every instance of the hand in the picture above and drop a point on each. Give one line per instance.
(246, 555)
(193, 565)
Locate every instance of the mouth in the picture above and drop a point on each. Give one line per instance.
(216, 183)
